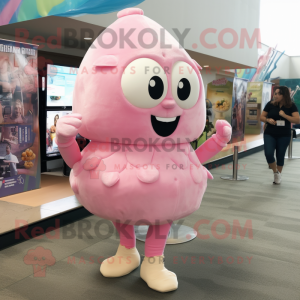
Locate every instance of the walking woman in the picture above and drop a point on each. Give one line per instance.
(278, 115)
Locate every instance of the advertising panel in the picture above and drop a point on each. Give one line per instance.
(219, 98)
(19, 126)
(239, 98)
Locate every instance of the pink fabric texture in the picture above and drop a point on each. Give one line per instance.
(155, 241)
(129, 172)
(127, 235)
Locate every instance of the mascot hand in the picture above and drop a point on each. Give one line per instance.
(223, 131)
(67, 127)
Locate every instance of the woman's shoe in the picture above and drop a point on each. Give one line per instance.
(124, 262)
(277, 177)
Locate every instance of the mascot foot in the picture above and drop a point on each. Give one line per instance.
(124, 262)
(158, 278)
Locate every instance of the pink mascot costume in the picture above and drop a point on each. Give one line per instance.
(139, 98)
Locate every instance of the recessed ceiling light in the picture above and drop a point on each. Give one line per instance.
(205, 66)
(87, 38)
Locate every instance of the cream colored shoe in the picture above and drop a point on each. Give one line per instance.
(158, 278)
(124, 262)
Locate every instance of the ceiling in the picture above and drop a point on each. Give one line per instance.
(279, 25)
(62, 28)
(59, 27)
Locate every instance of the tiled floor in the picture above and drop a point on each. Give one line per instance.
(263, 265)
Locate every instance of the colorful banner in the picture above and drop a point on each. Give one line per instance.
(239, 98)
(258, 95)
(226, 100)
(267, 93)
(19, 127)
(266, 64)
(12, 11)
(294, 87)
(219, 99)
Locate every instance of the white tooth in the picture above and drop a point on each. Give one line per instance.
(165, 119)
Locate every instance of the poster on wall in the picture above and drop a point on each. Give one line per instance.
(19, 128)
(52, 118)
(239, 98)
(218, 103)
(258, 95)
(294, 87)
(253, 108)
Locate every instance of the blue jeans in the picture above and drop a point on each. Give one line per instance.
(280, 144)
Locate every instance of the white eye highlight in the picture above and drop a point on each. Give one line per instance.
(144, 83)
(185, 85)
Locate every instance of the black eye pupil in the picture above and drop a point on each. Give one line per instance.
(183, 89)
(156, 87)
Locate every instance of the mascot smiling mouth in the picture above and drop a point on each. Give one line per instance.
(164, 126)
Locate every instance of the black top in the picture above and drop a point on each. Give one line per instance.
(273, 113)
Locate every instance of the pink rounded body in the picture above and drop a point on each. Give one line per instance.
(176, 193)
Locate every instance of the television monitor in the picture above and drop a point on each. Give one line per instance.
(60, 85)
(52, 117)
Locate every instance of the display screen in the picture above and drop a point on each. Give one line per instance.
(60, 85)
(52, 117)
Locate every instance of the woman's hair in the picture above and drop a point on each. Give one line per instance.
(284, 91)
(274, 88)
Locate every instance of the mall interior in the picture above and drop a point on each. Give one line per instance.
(199, 78)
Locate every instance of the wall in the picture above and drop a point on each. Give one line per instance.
(283, 68)
(199, 15)
(294, 67)
(207, 77)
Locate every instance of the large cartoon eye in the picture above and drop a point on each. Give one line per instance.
(144, 83)
(185, 85)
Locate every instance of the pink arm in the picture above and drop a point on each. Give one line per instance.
(216, 143)
(70, 152)
(66, 131)
(208, 149)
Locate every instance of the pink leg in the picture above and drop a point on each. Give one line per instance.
(156, 239)
(127, 235)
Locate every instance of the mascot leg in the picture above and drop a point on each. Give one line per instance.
(127, 257)
(153, 271)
